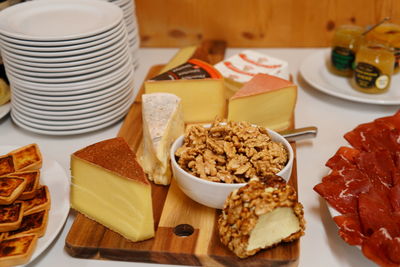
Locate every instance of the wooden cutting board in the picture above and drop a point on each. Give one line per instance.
(185, 231)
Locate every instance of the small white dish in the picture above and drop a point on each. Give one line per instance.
(314, 70)
(70, 19)
(213, 194)
(56, 179)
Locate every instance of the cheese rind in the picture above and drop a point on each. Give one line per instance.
(266, 101)
(242, 67)
(200, 87)
(162, 124)
(183, 55)
(110, 187)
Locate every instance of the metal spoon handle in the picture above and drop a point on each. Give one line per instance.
(300, 133)
(376, 25)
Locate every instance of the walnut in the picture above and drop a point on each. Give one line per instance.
(230, 152)
(244, 207)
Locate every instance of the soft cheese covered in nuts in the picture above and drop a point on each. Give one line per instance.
(232, 152)
(260, 215)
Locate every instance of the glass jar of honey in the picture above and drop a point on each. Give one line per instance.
(373, 68)
(388, 33)
(345, 43)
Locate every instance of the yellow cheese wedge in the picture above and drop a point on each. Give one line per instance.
(200, 87)
(265, 100)
(162, 124)
(183, 55)
(110, 187)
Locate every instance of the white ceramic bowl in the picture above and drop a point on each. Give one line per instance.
(213, 194)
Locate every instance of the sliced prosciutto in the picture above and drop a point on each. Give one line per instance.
(350, 228)
(364, 186)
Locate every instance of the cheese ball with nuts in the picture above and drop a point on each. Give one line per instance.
(260, 215)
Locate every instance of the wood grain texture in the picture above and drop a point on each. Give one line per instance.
(172, 208)
(255, 23)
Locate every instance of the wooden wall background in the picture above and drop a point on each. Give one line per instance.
(255, 23)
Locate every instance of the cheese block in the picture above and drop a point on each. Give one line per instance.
(110, 187)
(162, 124)
(183, 55)
(200, 87)
(241, 68)
(266, 100)
(260, 215)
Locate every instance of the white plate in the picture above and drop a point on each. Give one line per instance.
(82, 58)
(314, 70)
(70, 19)
(72, 94)
(71, 125)
(70, 132)
(108, 78)
(79, 108)
(54, 176)
(35, 72)
(65, 67)
(4, 109)
(109, 35)
(68, 53)
(93, 95)
(27, 76)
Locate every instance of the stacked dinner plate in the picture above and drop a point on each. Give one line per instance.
(69, 65)
(129, 11)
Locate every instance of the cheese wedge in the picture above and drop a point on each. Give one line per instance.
(200, 87)
(242, 67)
(265, 100)
(110, 187)
(162, 124)
(183, 55)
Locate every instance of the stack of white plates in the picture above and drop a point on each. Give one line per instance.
(129, 10)
(69, 65)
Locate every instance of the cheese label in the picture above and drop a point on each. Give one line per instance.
(193, 69)
(244, 66)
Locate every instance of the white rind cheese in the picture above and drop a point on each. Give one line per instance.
(241, 68)
(162, 124)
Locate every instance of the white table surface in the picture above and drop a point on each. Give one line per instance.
(321, 246)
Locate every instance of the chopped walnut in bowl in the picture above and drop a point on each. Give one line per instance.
(211, 161)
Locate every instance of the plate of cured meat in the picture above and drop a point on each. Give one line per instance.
(363, 189)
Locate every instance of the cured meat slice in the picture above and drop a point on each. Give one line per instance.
(395, 197)
(382, 248)
(390, 122)
(375, 211)
(379, 167)
(357, 137)
(341, 189)
(345, 157)
(350, 228)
